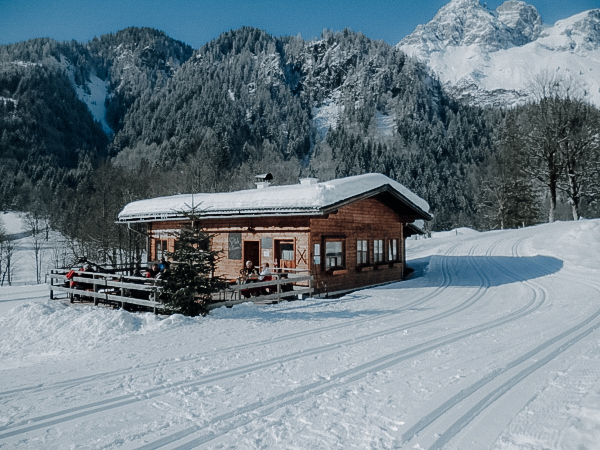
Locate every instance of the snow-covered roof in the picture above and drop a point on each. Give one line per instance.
(299, 199)
(416, 227)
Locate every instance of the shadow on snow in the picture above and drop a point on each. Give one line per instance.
(475, 271)
(433, 271)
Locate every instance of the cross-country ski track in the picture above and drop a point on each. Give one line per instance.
(463, 355)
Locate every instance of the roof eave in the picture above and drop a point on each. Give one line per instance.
(412, 229)
(238, 214)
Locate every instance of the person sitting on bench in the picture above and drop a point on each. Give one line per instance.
(249, 270)
(265, 275)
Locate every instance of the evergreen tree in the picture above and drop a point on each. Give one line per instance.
(191, 279)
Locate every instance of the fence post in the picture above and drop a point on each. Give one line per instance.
(279, 288)
(51, 284)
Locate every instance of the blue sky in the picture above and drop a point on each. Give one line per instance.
(197, 22)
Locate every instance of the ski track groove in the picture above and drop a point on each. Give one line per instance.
(353, 374)
(488, 399)
(497, 393)
(151, 393)
(300, 394)
(42, 296)
(304, 392)
(267, 407)
(80, 380)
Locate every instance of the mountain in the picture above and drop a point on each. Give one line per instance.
(244, 103)
(492, 57)
(61, 102)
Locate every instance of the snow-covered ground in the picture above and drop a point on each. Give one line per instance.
(495, 343)
(23, 261)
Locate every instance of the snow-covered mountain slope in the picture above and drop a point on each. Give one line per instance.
(493, 57)
(94, 94)
(493, 344)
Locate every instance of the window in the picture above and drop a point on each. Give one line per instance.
(285, 254)
(160, 248)
(287, 251)
(393, 250)
(317, 255)
(334, 254)
(378, 250)
(362, 250)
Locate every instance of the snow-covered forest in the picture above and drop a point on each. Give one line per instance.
(208, 120)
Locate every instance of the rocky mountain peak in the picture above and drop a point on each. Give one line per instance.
(522, 19)
(469, 23)
(490, 57)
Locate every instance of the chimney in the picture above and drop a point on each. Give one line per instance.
(263, 180)
(308, 181)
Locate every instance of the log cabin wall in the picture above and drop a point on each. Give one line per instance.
(366, 220)
(268, 233)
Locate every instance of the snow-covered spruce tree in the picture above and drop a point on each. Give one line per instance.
(191, 279)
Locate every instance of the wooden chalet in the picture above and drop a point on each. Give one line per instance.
(347, 233)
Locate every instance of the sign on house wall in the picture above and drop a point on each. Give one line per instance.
(235, 245)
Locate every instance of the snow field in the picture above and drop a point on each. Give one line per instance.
(493, 342)
(23, 261)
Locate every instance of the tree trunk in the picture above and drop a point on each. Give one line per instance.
(552, 202)
(574, 194)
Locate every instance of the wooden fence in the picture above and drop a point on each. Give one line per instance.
(122, 290)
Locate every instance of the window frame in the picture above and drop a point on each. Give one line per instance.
(393, 250)
(332, 239)
(317, 254)
(161, 246)
(379, 251)
(362, 252)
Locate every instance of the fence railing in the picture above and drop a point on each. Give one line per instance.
(122, 290)
(283, 286)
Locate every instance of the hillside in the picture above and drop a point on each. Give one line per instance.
(493, 344)
(242, 104)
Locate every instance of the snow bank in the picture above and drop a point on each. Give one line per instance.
(52, 328)
(577, 243)
(13, 222)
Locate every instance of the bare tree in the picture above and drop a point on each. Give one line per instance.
(7, 253)
(581, 154)
(60, 254)
(3, 238)
(36, 225)
(560, 135)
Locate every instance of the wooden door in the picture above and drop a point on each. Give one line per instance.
(252, 252)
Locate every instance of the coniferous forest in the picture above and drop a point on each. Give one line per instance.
(180, 120)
